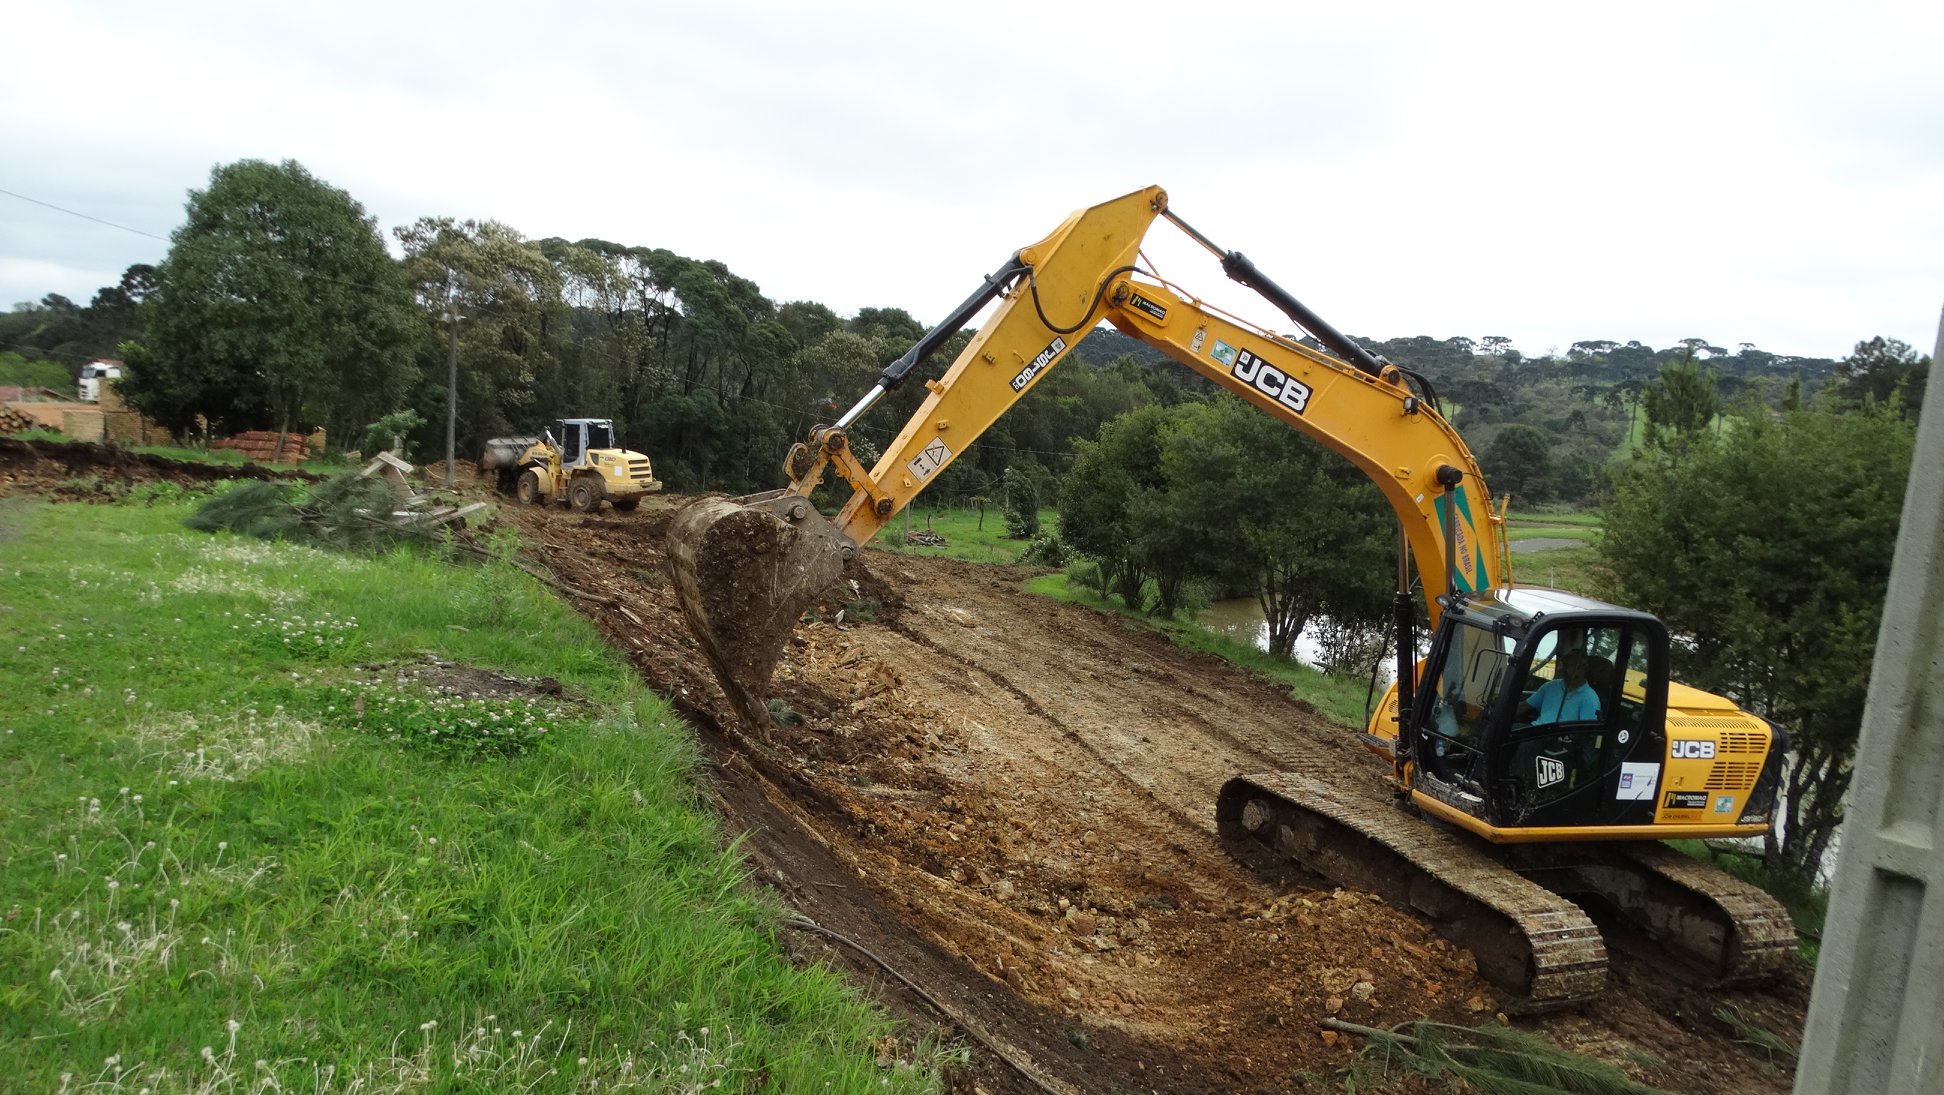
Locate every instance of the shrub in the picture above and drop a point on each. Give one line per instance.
(1022, 506)
(1046, 550)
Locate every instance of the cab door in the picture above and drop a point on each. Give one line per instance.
(1577, 746)
(573, 442)
(1458, 698)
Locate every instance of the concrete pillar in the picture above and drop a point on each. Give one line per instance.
(1876, 1018)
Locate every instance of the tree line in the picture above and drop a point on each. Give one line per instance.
(1763, 538)
(279, 304)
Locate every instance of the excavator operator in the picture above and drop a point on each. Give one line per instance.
(1570, 697)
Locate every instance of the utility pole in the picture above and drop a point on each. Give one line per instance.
(452, 375)
(1873, 1016)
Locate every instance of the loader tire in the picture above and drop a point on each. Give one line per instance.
(529, 488)
(585, 494)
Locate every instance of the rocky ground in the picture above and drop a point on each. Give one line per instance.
(1004, 807)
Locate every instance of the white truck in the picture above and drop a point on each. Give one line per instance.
(92, 374)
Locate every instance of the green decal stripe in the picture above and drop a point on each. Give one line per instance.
(1476, 580)
(1479, 580)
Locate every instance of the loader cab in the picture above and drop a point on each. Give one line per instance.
(1540, 709)
(580, 435)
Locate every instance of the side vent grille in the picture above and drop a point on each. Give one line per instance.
(1733, 776)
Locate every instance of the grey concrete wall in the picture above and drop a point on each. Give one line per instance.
(1876, 1018)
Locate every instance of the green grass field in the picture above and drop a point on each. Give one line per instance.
(249, 843)
(967, 535)
(1572, 568)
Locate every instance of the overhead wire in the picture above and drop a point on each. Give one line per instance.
(83, 216)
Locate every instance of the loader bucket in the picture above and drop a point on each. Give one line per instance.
(744, 572)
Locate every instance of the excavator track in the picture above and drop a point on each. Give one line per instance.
(1511, 905)
(1720, 929)
(1535, 945)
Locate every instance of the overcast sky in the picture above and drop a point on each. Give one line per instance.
(1769, 172)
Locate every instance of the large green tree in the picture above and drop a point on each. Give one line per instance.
(1222, 493)
(1767, 552)
(495, 292)
(1102, 499)
(1680, 403)
(1519, 458)
(1881, 371)
(1256, 506)
(277, 306)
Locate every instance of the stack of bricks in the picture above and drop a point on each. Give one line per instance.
(12, 421)
(261, 445)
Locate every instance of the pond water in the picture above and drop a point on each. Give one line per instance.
(1240, 618)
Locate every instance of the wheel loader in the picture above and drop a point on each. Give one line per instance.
(574, 463)
(1536, 753)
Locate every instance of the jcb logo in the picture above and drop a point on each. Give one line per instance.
(1271, 381)
(1550, 771)
(1692, 750)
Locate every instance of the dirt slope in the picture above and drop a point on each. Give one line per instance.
(1009, 803)
(1016, 797)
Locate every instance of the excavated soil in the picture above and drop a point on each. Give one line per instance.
(1011, 801)
(1004, 806)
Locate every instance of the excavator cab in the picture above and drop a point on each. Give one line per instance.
(1542, 710)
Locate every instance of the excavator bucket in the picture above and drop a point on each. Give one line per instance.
(744, 571)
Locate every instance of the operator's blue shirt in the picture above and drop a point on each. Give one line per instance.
(1555, 704)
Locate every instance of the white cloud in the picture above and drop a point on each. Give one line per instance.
(1762, 172)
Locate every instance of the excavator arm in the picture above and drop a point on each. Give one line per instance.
(1054, 292)
(745, 569)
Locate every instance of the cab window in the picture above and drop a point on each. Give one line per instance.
(1466, 682)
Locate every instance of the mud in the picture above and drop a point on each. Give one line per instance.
(1009, 802)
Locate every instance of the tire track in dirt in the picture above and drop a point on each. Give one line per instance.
(1118, 766)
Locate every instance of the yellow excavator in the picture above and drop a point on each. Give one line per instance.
(1537, 750)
